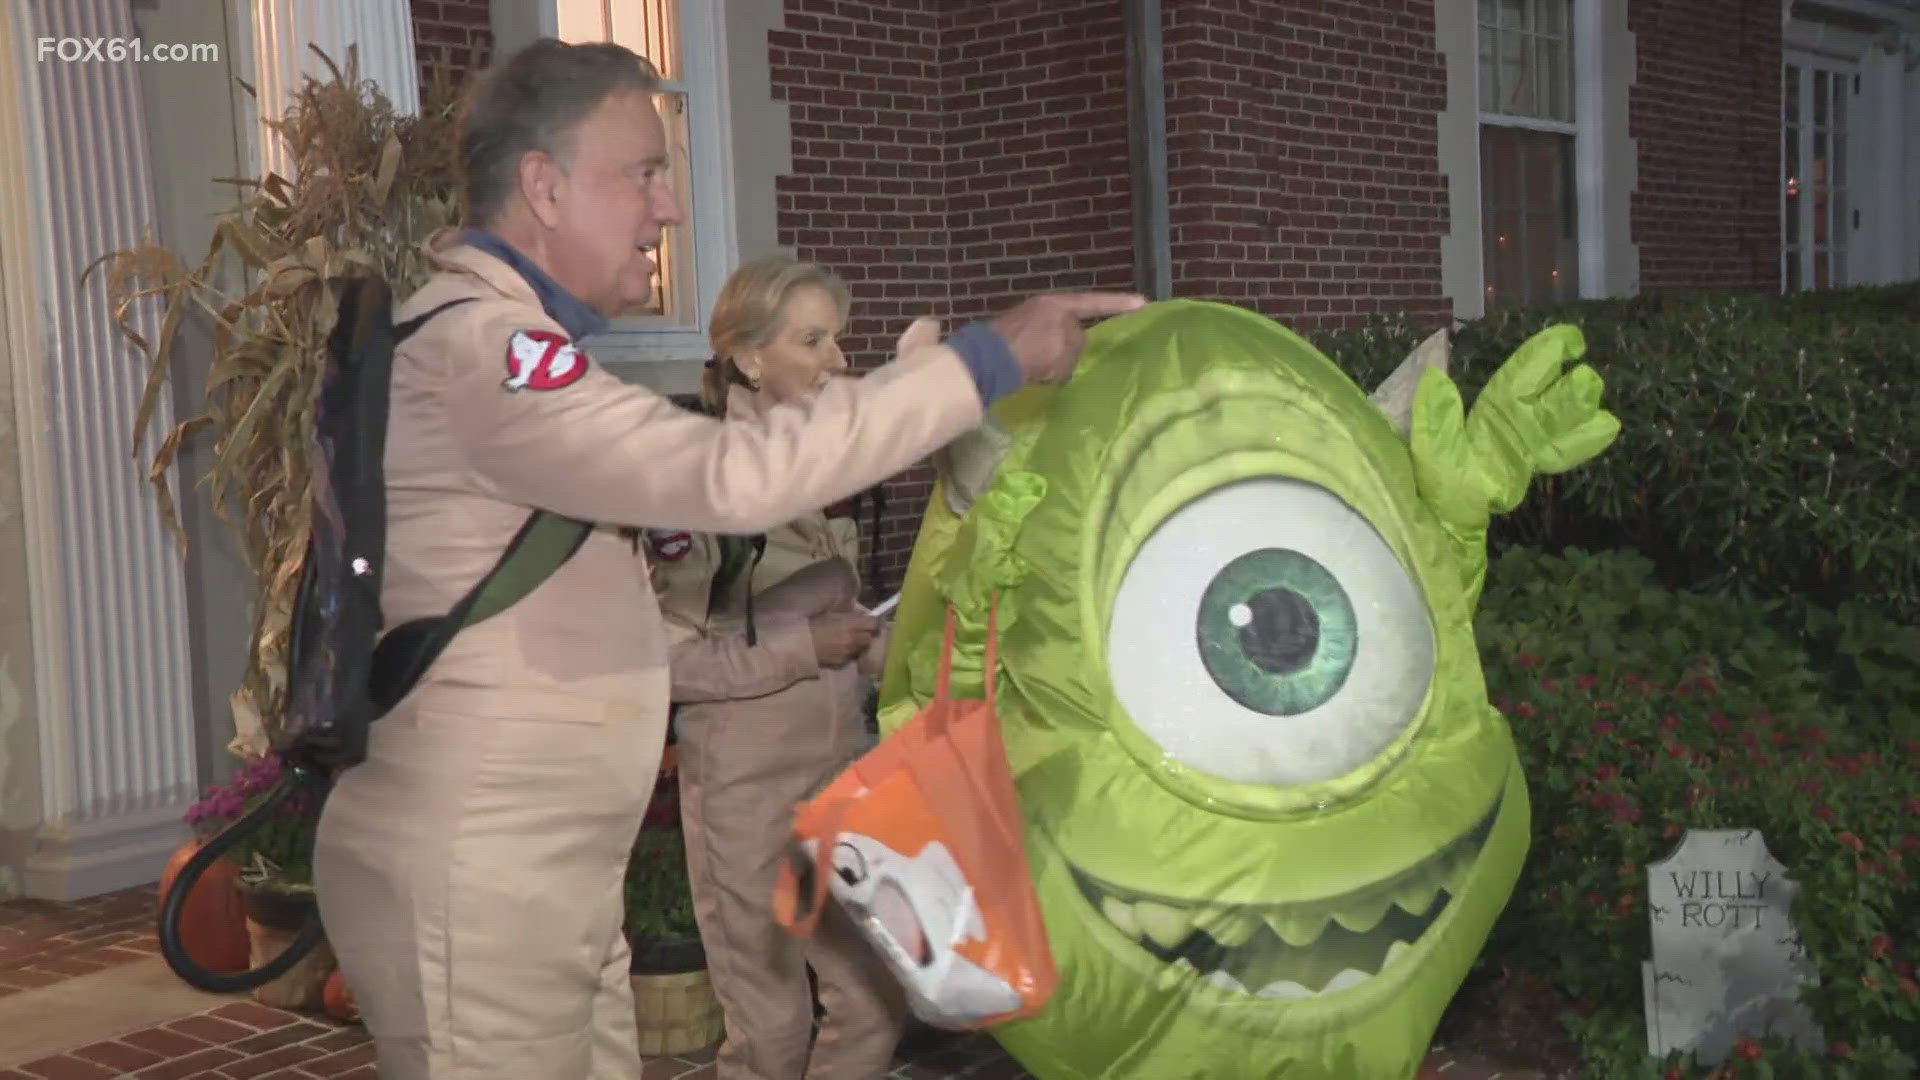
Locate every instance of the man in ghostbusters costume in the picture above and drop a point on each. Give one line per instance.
(469, 871)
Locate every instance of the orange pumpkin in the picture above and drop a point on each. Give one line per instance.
(213, 922)
(338, 998)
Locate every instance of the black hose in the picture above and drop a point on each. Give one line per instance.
(174, 903)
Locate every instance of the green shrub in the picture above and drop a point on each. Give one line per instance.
(1609, 613)
(1764, 442)
(1640, 713)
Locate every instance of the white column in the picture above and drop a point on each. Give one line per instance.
(111, 682)
(282, 32)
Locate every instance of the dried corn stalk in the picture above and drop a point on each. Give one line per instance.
(370, 188)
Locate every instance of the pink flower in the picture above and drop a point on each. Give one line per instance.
(1603, 728)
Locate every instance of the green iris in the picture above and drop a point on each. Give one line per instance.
(1276, 631)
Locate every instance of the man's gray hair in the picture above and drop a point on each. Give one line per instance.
(532, 101)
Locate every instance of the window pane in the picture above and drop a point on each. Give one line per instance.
(1514, 93)
(1513, 14)
(1839, 160)
(1499, 165)
(1489, 13)
(1819, 98)
(1489, 71)
(1544, 176)
(1790, 95)
(1530, 237)
(1822, 277)
(650, 28)
(1794, 182)
(674, 282)
(1840, 84)
(1556, 84)
(1551, 16)
(1794, 255)
(1841, 227)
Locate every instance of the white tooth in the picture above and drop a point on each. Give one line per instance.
(1176, 975)
(1394, 952)
(1347, 978)
(1167, 926)
(1284, 989)
(1363, 915)
(1296, 926)
(1417, 896)
(1120, 914)
(1228, 926)
(1226, 981)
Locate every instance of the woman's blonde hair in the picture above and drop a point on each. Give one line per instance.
(746, 316)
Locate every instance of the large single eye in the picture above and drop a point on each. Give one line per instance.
(1266, 634)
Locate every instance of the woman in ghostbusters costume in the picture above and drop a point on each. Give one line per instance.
(770, 659)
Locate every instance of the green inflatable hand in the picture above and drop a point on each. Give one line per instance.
(1270, 814)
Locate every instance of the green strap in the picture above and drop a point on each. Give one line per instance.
(549, 541)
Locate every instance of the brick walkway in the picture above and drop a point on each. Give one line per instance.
(42, 944)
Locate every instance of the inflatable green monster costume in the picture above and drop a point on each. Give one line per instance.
(1270, 813)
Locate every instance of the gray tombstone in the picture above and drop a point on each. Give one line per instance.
(1727, 961)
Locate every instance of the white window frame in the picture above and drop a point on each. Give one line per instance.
(708, 207)
(1586, 26)
(1843, 204)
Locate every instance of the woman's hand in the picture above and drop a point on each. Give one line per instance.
(840, 636)
(873, 662)
(825, 586)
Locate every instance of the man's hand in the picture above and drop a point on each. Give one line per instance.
(839, 636)
(1044, 331)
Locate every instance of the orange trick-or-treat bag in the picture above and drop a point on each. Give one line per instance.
(920, 843)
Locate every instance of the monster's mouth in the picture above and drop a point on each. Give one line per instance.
(1295, 950)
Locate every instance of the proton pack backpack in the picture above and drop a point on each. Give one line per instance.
(342, 673)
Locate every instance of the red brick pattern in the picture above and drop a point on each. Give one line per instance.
(949, 158)
(1705, 112)
(1038, 192)
(244, 1039)
(232, 1042)
(451, 37)
(43, 943)
(1303, 166)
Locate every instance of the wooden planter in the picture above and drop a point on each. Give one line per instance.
(274, 920)
(673, 1002)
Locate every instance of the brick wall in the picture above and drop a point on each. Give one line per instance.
(1303, 167)
(1705, 111)
(451, 38)
(1038, 191)
(949, 158)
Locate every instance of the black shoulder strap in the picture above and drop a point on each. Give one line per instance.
(544, 543)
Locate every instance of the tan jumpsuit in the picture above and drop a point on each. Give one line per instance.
(469, 871)
(760, 728)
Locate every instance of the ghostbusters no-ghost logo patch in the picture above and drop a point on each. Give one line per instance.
(542, 360)
(669, 546)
